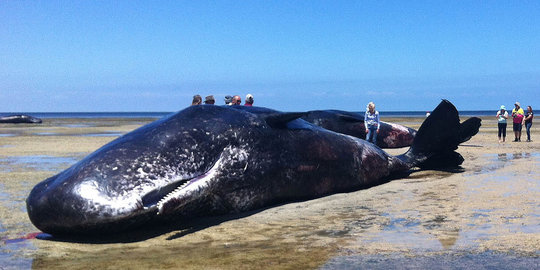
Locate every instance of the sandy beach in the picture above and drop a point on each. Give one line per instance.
(486, 213)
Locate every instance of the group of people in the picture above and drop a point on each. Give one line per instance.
(371, 117)
(229, 100)
(520, 118)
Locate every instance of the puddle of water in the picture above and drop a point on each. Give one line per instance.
(77, 125)
(11, 262)
(409, 233)
(486, 260)
(40, 162)
(112, 134)
(498, 161)
(46, 134)
(7, 135)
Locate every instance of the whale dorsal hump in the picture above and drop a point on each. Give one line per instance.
(280, 120)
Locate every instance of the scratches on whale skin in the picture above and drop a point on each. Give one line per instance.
(306, 168)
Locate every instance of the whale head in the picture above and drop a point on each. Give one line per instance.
(199, 160)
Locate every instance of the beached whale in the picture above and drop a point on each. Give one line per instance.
(390, 135)
(20, 118)
(211, 160)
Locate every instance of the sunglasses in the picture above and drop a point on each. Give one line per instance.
(238, 102)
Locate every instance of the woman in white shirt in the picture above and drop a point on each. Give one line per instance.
(502, 115)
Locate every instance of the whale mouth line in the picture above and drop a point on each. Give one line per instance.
(153, 197)
(159, 195)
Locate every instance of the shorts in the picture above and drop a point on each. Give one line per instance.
(517, 126)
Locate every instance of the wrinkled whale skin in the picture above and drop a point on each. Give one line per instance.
(210, 160)
(19, 119)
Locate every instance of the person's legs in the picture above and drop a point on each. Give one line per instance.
(519, 132)
(515, 128)
(500, 131)
(374, 131)
(368, 135)
(528, 126)
(504, 132)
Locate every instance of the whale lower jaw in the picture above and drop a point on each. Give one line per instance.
(179, 189)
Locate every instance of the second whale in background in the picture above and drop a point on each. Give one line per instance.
(351, 123)
(390, 135)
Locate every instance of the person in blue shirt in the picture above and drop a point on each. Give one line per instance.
(372, 123)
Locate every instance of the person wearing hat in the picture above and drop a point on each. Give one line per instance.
(502, 115)
(228, 100)
(249, 100)
(197, 100)
(209, 100)
(517, 115)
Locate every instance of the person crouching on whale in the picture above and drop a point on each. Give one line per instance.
(197, 100)
(209, 100)
(236, 100)
(372, 123)
(249, 100)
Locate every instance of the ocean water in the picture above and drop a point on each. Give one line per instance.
(157, 115)
(91, 114)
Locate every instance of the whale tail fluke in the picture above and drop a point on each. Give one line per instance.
(469, 128)
(438, 137)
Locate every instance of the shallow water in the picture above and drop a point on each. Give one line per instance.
(40, 162)
(482, 217)
(479, 261)
(105, 134)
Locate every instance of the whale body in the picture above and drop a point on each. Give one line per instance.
(209, 160)
(390, 135)
(20, 118)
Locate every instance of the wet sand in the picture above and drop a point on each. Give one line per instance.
(487, 214)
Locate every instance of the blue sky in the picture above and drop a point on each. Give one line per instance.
(291, 55)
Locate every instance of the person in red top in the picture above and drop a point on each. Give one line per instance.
(249, 100)
(517, 115)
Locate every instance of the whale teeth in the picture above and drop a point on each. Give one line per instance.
(171, 195)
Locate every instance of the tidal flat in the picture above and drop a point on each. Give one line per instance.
(486, 215)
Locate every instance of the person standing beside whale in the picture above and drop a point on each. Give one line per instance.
(517, 115)
(372, 123)
(527, 121)
(502, 115)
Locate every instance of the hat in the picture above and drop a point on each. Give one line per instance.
(209, 98)
(503, 108)
(228, 99)
(517, 103)
(249, 98)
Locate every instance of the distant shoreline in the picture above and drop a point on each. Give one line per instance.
(92, 115)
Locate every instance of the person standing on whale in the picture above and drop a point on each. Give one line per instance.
(372, 123)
